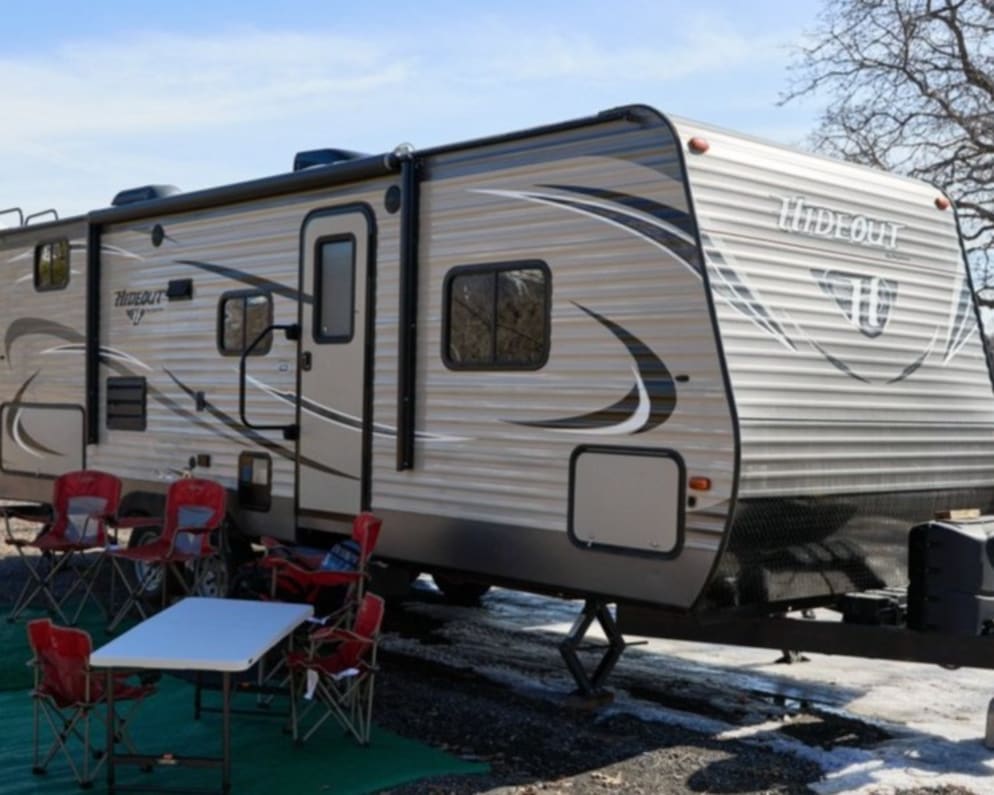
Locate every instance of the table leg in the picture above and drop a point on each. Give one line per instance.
(226, 734)
(110, 731)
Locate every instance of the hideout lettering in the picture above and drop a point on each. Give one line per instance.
(138, 297)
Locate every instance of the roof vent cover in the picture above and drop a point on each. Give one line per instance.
(143, 194)
(323, 157)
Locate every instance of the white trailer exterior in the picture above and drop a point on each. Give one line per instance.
(590, 358)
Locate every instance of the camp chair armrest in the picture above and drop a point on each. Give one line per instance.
(337, 634)
(28, 512)
(130, 522)
(283, 558)
(329, 578)
(332, 619)
(196, 530)
(272, 562)
(280, 550)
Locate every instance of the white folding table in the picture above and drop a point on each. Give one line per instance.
(197, 634)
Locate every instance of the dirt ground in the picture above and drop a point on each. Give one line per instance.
(538, 746)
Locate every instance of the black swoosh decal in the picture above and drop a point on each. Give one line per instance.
(247, 278)
(655, 377)
(343, 419)
(911, 367)
(12, 417)
(256, 437)
(30, 441)
(679, 248)
(664, 212)
(838, 363)
(963, 324)
(317, 409)
(729, 285)
(25, 326)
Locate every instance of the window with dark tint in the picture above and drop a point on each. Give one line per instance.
(242, 316)
(334, 288)
(52, 265)
(497, 316)
(255, 481)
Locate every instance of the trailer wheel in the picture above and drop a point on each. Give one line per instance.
(460, 591)
(212, 577)
(216, 576)
(150, 574)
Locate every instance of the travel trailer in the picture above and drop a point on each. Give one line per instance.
(628, 357)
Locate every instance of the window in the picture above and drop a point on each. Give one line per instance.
(334, 289)
(497, 316)
(242, 316)
(255, 481)
(52, 265)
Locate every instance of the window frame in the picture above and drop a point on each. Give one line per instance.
(62, 241)
(496, 268)
(244, 295)
(316, 313)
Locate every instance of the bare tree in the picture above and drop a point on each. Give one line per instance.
(911, 89)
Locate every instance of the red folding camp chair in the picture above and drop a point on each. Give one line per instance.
(194, 511)
(337, 673)
(68, 694)
(83, 504)
(293, 573)
(299, 576)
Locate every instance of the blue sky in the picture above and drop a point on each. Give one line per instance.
(103, 96)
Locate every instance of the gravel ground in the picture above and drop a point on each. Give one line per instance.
(535, 746)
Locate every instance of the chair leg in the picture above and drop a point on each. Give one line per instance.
(132, 598)
(40, 584)
(294, 695)
(61, 734)
(367, 720)
(88, 579)
(23, 599)
(35, 736)
(120, 724)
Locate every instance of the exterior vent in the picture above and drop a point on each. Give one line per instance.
(143, 194)
(126, 404)
(323, 157)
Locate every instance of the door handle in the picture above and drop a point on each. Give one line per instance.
(305, 360)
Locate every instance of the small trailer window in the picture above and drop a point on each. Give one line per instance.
(242, 316)
(52, 265)
(334, 289)
(497, 316)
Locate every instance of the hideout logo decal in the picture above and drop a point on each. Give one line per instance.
(136, 304)
(865, 301)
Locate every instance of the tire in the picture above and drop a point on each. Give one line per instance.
(152, 593)
(218, 574)
(212, 576)
(459, 591)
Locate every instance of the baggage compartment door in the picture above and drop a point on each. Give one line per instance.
(627, 500)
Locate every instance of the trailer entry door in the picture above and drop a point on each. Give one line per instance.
(337, 249)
